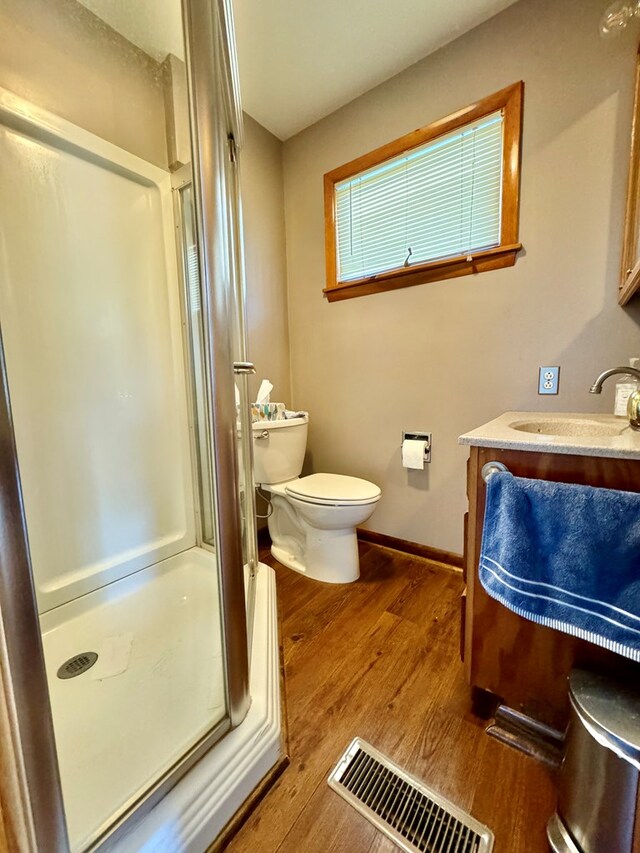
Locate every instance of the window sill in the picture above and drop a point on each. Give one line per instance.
(489, 259)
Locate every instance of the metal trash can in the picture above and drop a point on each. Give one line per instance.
(598, 781)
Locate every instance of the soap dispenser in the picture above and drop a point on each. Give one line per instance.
(625, 387)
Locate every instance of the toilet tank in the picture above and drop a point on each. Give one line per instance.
(278, 449)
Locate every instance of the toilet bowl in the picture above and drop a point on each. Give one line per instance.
(312, 521)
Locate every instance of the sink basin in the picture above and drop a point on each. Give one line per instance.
(573, 433)
(578, 427)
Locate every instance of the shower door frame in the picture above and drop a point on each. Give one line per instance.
(30, 788)
(214, 104)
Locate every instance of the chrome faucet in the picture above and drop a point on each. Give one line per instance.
(633, 405)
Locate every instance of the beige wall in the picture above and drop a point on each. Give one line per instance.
(58, 55)
(263, 219)
(262, 190)
(448, 356)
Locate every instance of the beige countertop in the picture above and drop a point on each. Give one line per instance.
(577, 434)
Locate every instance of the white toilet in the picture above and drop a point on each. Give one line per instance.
(313, 519)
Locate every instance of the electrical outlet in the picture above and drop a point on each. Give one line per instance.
(548, 379)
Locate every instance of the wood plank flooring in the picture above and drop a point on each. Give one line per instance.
(380, 659)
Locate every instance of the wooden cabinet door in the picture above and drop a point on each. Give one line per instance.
(524, 663)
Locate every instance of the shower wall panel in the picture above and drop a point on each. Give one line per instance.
(91, 325)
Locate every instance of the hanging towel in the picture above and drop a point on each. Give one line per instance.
(565, 556)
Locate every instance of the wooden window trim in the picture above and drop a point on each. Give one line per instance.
(510, 100)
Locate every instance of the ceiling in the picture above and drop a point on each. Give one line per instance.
(302, 59)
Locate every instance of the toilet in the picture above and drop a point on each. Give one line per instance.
(312, 521)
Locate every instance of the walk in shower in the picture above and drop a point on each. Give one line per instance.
(139, 710)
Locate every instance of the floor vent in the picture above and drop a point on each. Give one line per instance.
(77, 665)
(412, 816)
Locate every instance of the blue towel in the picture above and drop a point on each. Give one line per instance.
(565, 556)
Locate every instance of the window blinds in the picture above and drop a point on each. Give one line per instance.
(439, 200)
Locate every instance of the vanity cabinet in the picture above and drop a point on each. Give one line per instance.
(522, 663)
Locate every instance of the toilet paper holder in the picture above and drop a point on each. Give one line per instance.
(419, 436)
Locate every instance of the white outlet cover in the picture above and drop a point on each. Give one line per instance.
(548, 380)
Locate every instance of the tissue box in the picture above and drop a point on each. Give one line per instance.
(267, 412)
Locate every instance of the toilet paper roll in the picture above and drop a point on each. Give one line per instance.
(413, 453)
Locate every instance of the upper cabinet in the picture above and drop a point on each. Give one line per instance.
(630, 272)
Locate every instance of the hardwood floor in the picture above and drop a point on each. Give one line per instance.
(380, 659)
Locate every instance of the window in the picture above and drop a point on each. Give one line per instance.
(437, 203)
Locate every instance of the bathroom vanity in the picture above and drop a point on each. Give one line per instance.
(507, 657)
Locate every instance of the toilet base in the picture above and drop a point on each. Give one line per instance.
(330, 556)
(317, 540)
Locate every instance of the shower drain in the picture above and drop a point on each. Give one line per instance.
(77, 665)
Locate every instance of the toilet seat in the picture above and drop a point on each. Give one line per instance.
(333, 490)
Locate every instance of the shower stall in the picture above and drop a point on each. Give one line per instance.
(138, 643)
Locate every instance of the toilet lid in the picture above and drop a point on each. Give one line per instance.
(333, 489)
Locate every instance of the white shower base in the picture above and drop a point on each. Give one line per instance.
(115, 736)
(194, 812)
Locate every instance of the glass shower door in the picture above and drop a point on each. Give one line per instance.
(126, 436)
(243, 368)
(215, 94)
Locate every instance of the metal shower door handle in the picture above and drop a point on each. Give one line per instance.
(245, 367)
